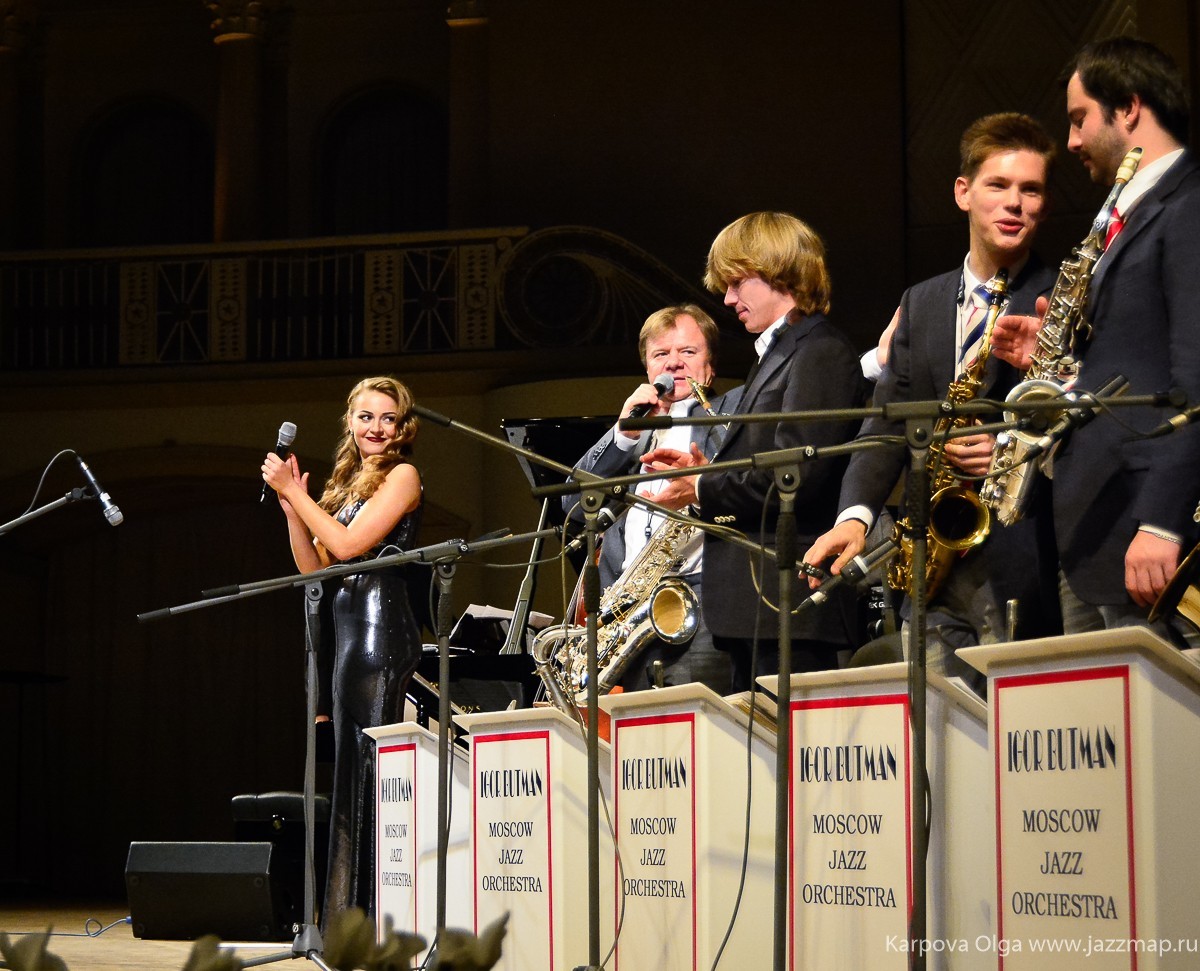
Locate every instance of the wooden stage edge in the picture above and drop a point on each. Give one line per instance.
(116, 949)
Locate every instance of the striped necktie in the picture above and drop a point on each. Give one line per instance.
(974, 327)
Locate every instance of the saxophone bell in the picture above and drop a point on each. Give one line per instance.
(957, 519)
(1012, 476)
(674, 613)
(643, 603)
(1034, 390)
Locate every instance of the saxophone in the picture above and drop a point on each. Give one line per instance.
(643, 603)
(957, 519)
(1054, 367)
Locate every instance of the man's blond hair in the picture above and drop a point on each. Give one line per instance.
(784, 251)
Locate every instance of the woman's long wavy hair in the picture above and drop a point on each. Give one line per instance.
(352, 477)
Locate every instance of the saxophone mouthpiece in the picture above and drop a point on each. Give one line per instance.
(698, 391)
(997, 287)
(1129, 166)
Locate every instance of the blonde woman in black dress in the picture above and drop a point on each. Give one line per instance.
(370, 508)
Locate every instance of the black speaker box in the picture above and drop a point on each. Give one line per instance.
(181, 891)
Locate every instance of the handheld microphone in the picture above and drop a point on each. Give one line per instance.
(664, 384)
(114, 515)
(287, 435)
(854, 571)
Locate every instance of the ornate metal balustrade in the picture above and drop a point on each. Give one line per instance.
(328, 299)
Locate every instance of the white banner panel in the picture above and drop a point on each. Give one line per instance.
(654, 760)
(850, 825)
(396, 872)
(513, 843)
(1064, 817)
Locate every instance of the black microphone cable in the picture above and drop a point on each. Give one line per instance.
(750, 715)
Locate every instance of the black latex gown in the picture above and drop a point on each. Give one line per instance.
(376, 647)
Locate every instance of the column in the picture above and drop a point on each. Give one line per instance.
(467, 198)
(238, 27)
(14, 40)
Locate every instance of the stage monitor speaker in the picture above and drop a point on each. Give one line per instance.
(181, 891)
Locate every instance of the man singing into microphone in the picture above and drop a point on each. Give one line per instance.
(675, 344)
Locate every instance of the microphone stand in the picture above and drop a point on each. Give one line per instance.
(919, 436)
(787, 480)
(786, 471)
(591, 503)
(307, 942)
(75, 495)
(919, 418)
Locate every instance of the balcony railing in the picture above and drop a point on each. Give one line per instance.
(328, 299)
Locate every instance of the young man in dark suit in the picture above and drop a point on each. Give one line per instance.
(1123, 503)
(1001, 186)
(680, 342)
(771, 268)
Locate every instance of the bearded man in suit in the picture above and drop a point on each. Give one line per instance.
(771, 268)
(1123, 501)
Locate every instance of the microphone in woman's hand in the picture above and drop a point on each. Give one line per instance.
(287, 435)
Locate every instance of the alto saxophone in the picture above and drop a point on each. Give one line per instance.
(1054, 367)
(958, 521)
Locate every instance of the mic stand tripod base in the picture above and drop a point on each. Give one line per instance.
(307, 945)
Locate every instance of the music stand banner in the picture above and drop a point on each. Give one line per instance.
(655, 807)
(1094, 740)
(682, 784)
(1064, 810)
(851, 819)
(529, 836)
(406, 843)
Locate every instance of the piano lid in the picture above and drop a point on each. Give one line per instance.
(562, 440)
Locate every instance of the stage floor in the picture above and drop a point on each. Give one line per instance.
(114, 950)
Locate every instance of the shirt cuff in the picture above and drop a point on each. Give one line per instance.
(1161, 533)
(861, 513)
(624, 442)
(869, 363)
